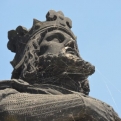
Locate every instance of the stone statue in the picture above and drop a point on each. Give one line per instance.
(49, 80)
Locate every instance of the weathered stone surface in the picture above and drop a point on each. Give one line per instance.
(49, 80)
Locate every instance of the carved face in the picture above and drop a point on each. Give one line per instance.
(48, 53)
(52, 54)
(56, 42)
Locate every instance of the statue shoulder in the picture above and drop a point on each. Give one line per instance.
(5, 84)
(12, 83)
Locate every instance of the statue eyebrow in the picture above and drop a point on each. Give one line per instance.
(59, 36)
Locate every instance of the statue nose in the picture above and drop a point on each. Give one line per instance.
(71, 44)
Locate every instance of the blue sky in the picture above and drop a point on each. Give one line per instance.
(97, 25)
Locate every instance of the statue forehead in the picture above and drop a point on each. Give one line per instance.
(57, 34)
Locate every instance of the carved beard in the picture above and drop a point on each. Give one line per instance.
(51, 68)
(37, 68)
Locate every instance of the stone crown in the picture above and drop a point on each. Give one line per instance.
(54, 21)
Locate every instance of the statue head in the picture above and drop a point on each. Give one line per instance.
(47, 52)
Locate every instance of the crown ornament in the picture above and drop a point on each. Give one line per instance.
(54, 21)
